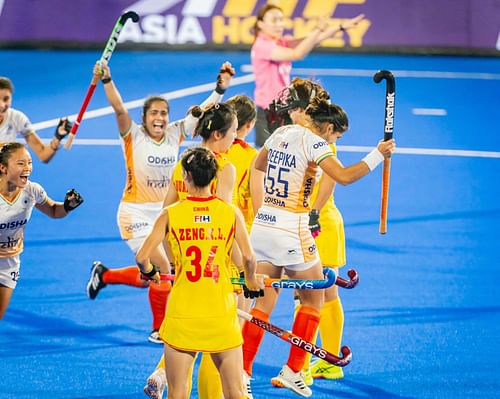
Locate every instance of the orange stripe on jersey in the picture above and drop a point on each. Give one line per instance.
(307, 187)
(10, 202)
(130, 192)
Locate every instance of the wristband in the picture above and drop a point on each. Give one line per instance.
(152, 272)
(220, 90)
(106, 80)
(373, 159)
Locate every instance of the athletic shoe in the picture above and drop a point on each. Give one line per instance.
(293, 381)
(154, 337)
(246, 385)
(308, 379)
(95, 283)
(323, 369)
(155, 384)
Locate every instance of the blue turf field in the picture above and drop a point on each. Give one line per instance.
(423, 322)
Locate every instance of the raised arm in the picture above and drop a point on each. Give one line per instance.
(223, 81)
(299, 48)
(43, 151)
(101, 69)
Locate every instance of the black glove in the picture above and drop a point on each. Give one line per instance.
(219, 88)
(66, 125)
(314, 225)
(72, 200)
(248, 293)
(149, 275)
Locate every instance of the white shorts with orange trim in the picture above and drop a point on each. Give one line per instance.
(9, 271)
(283, 239)
(136, 220)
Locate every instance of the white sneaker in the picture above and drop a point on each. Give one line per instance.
(246, 385)
(294, 381)
(154, 337)
(155, 384)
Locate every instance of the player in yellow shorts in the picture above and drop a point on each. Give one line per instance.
(217, 126)
(201, 313)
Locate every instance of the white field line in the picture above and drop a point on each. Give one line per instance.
(429, 111)
(243, 80)
(170, 95)
(340, 148)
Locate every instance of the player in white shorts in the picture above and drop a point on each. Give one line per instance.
(150, 152)
(18, 197)
(280, 236)
(14, 122)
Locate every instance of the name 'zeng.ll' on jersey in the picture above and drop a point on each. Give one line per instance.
(294, 154)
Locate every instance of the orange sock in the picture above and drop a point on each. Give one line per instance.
(126, 275)
(158, 295)
(252, 337)
(305, 326)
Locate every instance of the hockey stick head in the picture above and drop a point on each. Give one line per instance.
(351, 283)
(129, 15)
(388, 76)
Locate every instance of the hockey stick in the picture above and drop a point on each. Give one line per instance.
(390, 97)
(299, 342)
(348, 284)
(106, 56)
(330, 279)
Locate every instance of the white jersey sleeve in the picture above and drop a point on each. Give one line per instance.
(16, 122)
(187, 125)
(317, 149)
(37, 192)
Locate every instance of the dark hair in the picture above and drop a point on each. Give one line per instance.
(262, 11)
(216, 117)
(307, 90)
(201, 165)
(149, 102)
(6, 150)
(245, 109)
(6, 83)
(321, 111)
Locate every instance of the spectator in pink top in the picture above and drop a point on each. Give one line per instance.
(272, 54)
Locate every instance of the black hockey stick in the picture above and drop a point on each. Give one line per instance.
(390, 98)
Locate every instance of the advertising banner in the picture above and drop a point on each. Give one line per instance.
(467, 24)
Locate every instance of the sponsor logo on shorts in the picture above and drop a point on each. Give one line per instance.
(136, 227)
(202, 218)
(312, 248)
(265, 218)
(292, 252)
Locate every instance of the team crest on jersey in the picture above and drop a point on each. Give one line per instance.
(202, 218)
(283, 144)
